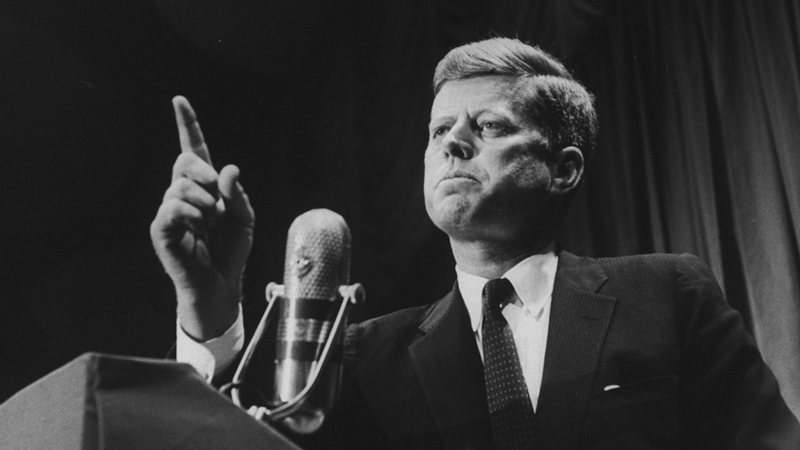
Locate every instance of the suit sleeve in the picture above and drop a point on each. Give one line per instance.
(731, 398)
(351, 425)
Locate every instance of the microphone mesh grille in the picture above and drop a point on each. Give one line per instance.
(317, 255)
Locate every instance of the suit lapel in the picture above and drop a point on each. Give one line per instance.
(579, 320)
(450, 372)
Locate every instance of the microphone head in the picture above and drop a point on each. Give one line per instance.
(317, 255)
(306, 332)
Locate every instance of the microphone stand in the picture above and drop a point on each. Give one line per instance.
(350, 295)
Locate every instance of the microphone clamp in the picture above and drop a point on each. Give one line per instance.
(301, 414)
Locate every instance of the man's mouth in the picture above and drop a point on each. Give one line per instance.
(458, 175)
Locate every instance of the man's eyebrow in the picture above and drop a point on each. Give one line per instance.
(440, 119)
(502, 113)
(492, 110)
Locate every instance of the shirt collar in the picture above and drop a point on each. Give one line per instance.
(532, 278)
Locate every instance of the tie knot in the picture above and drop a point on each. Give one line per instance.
(497, 292)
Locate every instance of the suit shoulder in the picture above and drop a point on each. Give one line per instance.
(657, 261)
(657, 264)
(398, 319)
(388, 332)
(658, 273)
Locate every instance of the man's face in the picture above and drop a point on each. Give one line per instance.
(486, 178)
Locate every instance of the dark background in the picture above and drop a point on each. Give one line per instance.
(325, 104)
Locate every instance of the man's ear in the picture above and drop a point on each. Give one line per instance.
(566, 166)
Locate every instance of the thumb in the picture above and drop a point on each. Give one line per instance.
(237, 204)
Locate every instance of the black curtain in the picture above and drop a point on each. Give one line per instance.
(325, 104)
(700, 106)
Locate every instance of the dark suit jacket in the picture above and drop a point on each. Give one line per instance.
(689, 375)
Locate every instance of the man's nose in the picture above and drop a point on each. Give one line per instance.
(458, 141)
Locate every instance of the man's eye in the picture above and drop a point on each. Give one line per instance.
(491, 127)
(439, 132)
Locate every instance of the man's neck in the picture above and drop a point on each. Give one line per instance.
(491, 260)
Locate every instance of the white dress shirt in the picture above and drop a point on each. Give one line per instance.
(528, 317)
(214, 355)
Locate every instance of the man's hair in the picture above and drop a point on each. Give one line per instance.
(555, 102)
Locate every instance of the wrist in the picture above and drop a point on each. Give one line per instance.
(207, 316)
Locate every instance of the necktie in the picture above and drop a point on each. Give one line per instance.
(510, 410)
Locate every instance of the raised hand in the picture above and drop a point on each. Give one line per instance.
(203, 233)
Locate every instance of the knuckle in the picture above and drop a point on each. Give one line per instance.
(182, 185)
(189, 191)
(162, 219)
(189, 165)
(173, 191)
(182, 162)
(170, 208)
(155, 227)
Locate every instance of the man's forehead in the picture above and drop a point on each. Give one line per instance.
(488, 91)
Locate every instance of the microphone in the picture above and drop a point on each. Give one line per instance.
(312, 307)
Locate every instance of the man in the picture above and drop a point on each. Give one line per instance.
(556, 351)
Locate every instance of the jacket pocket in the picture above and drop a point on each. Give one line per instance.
(637, 392)
(641, 415)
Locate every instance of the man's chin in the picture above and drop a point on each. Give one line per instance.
(451, 213)
(461, 227)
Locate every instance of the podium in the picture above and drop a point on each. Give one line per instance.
(102, 401)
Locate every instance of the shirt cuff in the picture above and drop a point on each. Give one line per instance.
(213, 356)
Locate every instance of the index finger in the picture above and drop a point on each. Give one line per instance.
(191, 137)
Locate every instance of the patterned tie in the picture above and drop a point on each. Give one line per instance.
(510, 409)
